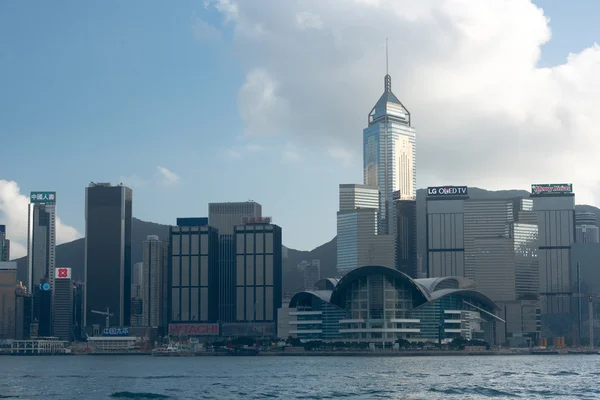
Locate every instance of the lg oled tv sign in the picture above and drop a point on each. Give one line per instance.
(447, 191)
(194, 329)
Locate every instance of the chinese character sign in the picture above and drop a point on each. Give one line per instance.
(43, 197)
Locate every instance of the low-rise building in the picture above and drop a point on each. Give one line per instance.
(382, 304)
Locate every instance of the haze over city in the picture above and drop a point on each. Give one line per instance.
(224, 101)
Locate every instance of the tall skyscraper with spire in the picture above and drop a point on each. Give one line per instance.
(389, 154)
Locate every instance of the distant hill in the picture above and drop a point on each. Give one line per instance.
(72, 254)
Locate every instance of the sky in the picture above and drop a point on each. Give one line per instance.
(193, 101)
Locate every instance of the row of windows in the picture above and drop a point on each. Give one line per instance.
(189, 271)
(190, 244)
(251, 300)
(254, 270)
(254, 242)
(189, 304)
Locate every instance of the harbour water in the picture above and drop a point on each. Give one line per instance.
(142, 377)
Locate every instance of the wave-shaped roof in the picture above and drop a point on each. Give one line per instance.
(426, 290)
(446, 282)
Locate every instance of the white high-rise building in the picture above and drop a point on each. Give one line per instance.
(41, 239)
(389, 154)
(152, 281)
(586, 230)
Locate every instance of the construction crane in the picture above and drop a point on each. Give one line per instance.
(107, 314)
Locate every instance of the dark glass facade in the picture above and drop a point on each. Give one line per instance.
(78, 310)
(44, 300)
(445, 236)
(108, 254)
(226, 278)
(62, 318)
(23, 316)
(193, 274)
(4, 245)
(258, 281)
(406, 237)
(556, 225)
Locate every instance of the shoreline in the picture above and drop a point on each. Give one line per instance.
(333, 354)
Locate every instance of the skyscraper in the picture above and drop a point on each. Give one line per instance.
(224, 217)
(152, 281)
(108, 213)
(359, 242)
(389, 154)
(500, 242)
(62, 305)
(555, 206)
(4, 245)
(259, 285)
(137, 295)
(41, 239)
(194, 271)
(445, 231)
(406, 237)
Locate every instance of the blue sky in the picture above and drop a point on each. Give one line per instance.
(112, 90)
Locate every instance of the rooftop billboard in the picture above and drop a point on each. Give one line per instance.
(42, 197)
(551, 188)
(62, 273)
(447, 191)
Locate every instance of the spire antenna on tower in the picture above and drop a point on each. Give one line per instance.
(386, 57)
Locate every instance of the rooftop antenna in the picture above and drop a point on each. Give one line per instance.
(386, 56)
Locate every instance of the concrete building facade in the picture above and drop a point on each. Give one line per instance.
(154, 251)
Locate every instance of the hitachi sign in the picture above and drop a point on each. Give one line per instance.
(447, 191)
(194, 329)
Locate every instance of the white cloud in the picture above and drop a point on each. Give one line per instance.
(133, 181)
(254, 148)
(306, 20)
(290, 153)
(485, 113)
(233, 154)
(341, 154)
(13, 214)
(260, 106)
(167, 177)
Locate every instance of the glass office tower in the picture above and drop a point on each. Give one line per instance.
(108, 214)
(389, 154)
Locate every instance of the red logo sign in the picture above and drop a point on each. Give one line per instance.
(63, 273)
(194, 329)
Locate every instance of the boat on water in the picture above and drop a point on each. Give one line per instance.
(244, 351)
(172, 351)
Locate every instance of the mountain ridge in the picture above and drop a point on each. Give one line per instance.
(72, 254)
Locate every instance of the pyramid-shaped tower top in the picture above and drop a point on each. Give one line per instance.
(388, 107)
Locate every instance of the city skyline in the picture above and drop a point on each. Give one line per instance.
(306, 138)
